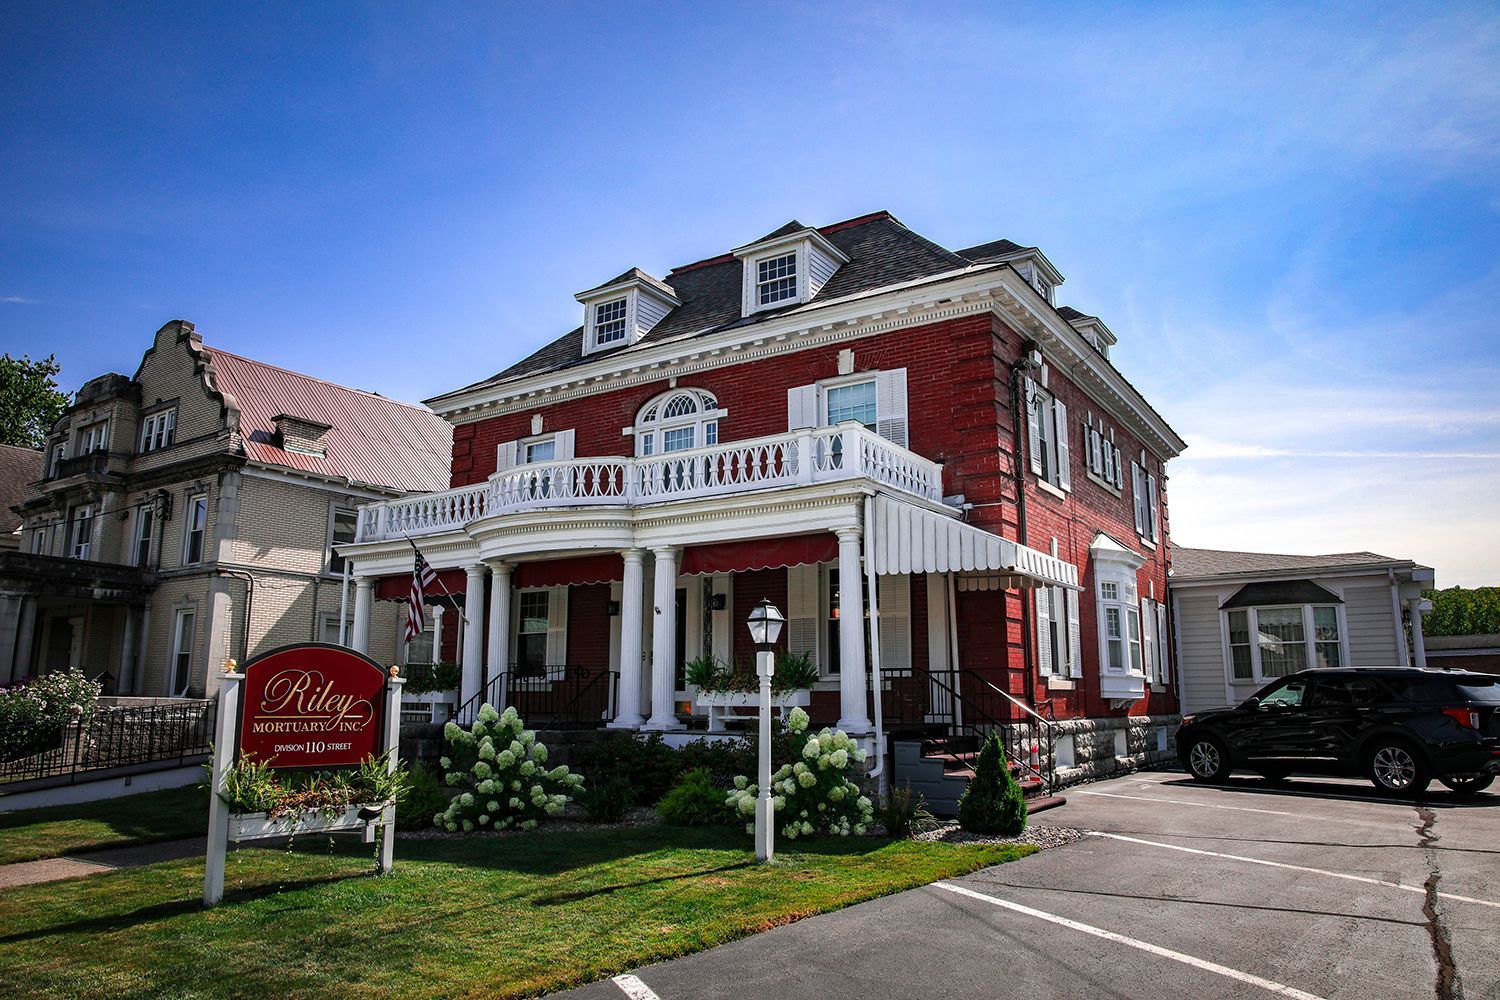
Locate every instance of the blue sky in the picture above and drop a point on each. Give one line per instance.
(1289, 216)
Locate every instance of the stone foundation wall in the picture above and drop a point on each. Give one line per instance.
(1089, 749)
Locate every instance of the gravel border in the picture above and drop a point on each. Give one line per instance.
(1043, 836)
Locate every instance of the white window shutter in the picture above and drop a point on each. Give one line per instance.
(505, 456)
(895, 624)
(802, 407)
(1043, 629)
(1096, 464)
(1034, 426)
(1064, 465)
(890, 405)
(557, 633)
(1163, 648)
(1138, 484)
(1151, 507)
(562, 444)
(802, 609)
(1075, 643)
(1148, 640)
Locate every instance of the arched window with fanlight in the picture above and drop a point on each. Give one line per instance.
(679, 420)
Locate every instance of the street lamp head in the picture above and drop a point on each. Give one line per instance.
(765, 623)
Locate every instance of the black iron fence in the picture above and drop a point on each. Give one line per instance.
(164, 733)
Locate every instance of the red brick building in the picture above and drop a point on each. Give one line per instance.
(936, 473)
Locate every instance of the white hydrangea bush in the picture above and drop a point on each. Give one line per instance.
(501, 771)
(813, 794)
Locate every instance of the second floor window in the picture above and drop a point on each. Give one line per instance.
(1102, 456)
(1047, 420)
(679, 421)
(1144, 484)
(39, 542)
(159, 430)
(345, 521)
(145, 526)
(82, 538)
(54, 462)
(1120, 625)
(195, 528)
(94, 437)
(852, 402)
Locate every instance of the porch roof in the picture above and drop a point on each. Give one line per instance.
(909, 539)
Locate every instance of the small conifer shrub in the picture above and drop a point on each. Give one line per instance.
(993, 802)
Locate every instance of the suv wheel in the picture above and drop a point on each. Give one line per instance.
(1469, 785)
(1396, 767)
(1206, 759)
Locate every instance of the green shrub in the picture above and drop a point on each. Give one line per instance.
(649, 765)
(33, 715)
(424, 797)
(794, 672)
(694, 801)
(607, 800)
(993, 802)
(903, 813)
(251, 786)
(813, 792)
(500, 772)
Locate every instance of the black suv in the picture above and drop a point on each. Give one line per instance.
(1399, 727)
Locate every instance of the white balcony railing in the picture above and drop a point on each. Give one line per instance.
(820, 455)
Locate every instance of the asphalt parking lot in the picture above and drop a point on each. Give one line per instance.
(1317, 888)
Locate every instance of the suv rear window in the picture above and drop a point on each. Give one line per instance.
(1486, 692)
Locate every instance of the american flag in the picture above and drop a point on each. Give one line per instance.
(422, 577)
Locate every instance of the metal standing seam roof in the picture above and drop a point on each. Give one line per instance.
(371, 438)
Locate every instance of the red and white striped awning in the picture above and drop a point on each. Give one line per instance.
(907, 539)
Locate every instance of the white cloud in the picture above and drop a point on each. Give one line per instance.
(17, 300)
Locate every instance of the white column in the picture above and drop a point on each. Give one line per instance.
(125, 682)
(664, 642)
(473, 648)
(628, 714)
(853, 684)
(499, 655)
(1419, 644)
(437, 632)
(364, 598)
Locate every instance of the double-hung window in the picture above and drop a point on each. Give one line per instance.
(94, 437)
(158, 430)
(194, 529)
(39, 541)
(1101, 456)
(776, 279)
(852, 402)
(1144, 496)
(1264, 643)
(54, 462)
(1047, 421)
(534, 615)
(1120, 627)
(182, 652)
(609, 322)
(1059, 653)
(341, 532)
(145, 526)
(82, 539)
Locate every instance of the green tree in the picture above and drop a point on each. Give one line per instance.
(1458, 611)
(30, 401)
(993, 802)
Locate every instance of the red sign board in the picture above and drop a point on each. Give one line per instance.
(312, 705)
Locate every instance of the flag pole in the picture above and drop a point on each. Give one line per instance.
(463, 611)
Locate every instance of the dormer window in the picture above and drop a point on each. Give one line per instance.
(623, 310)
(787, 267)
(776, 279)
(609, 322)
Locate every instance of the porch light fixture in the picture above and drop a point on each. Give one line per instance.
(613, 609)
(765, 624)
(718, 602)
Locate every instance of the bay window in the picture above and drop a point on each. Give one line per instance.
(1263, 643)
(1122, 656)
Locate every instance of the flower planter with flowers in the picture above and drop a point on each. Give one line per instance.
(722, 687)
(431, 694)
(267, 803)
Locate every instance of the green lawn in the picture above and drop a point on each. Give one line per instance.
(132, 819)
(489, 916)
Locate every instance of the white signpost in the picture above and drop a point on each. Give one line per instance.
(369, 818)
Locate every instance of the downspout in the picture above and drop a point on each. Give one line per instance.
(249, 607)
(1403, 657)
(344, 604)
(874, 608)
(1020, 476)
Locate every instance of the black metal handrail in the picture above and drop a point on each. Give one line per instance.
(118, 737)
(564, 695)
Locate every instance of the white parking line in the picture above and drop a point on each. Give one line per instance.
(634, 988)
(1296, 868)
(1280, 989)
(1216, 805)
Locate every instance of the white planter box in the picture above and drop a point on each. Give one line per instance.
(429, 707)
(252, 826)
(719, 704)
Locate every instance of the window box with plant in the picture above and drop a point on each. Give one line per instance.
(723, 686)
(264, 802)
(431, 690)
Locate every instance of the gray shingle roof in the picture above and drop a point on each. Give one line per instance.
(1189, 563)
(880, 249)
(18, 466)
(993, 250)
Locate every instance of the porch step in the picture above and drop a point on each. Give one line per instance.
(942, 778)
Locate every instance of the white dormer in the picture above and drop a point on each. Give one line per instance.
(622, 311)
(1092, 329)
(787, 267)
